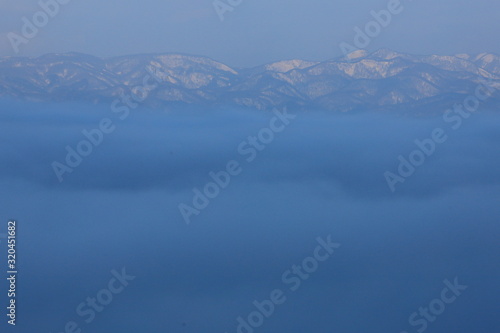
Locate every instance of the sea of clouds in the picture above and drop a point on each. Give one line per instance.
(323, 174)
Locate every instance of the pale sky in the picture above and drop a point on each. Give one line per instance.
(254, 32)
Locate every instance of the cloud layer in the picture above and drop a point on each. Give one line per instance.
(323, 175)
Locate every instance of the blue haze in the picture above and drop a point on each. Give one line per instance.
(323, 175)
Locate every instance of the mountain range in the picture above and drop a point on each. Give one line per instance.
(382, 80)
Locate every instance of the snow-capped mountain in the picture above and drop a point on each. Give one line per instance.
(383, 79)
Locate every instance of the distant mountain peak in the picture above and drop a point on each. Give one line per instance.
(358, 54)
(382, 79)
(288, 65)
(385, 54)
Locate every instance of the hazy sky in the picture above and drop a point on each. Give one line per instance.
(255, 32)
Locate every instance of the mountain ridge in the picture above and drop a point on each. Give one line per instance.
(379, 80)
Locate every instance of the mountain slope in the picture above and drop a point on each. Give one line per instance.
(381, 79)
